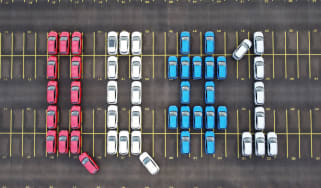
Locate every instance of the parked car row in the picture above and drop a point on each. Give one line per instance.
(63, 43)
(121, 142)
(259, 137)
(136, 68)
(136, 92)
(65, 142)
(209, 92)
(124, 43)
(209, 42)
(209, 142)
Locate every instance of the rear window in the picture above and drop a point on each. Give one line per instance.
(146, 160)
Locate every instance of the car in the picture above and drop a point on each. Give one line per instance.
(112, 142)
(149, 163)
(246, 144)
(124, 43)
(209, 92)
(112, 117)
(185, 142)
(221, 117)
(136, 68)
(221, 68)
(258, 40)
(76, 43)
(172, 67)
(185, 64)
(242, 49)
(185, 38)
(272, 144)
(185, 117)
(112, 67)
(197, 67)
(258, 93)
(209, 68)
(52, 114)
(209, 43)
(52, 92)
(112, 92)
(75, 117)
(51, 141)
(52, 68)
(63, 146)
(75, 92)
(197, 117)
(209, 142)
(136, 142)
(259, 144)
(185, 92)
(136, 43)
(209, 117)
(64, 43)
(258, 68)
(112, 38)
(88, 163)
(123, 142)
(75, 142)
(136, 93)
(259, 118)
(136, 117)
(172, 117)
(76, 68)
(52, 43)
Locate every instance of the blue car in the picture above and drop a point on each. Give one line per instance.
(209, 68)
(185, 117)
(209, 43)
(172, 117)
(221, 68)
(221, 118)
(209, 142)
(209, 92)
(185, 142)
(172, 67)
(185, 67)
(185, 42)
(197, 68)
(185, 92)
(209, 117)
(197, 117)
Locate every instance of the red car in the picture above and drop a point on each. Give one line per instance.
(75, 117)
(64, 43)
(52, 68)
(63, 142)
(76, 43)
(52, 43)
(76, 67)
(52, 92)
(75, 142)
(88, 163)
(51, 141)
(75, 92)
(52, 115)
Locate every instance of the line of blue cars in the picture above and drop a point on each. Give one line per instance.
(209, 92)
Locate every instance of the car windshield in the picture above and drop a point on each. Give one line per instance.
(172, 62)
(75, 63)
(111, 88)
(184, 38)
(51, 88)
(173, 113)
(185, 138)
(273, 140)
(112, 138)
(63, 38)
(136, 38)
(185, 88)
(75, 38)
(112, 63)
(135, 113)
(124, 38)
(185, 113)
(259, 88)
(84, 161)
(197, 63)
(136, 88)
(210, 63)
(51, 63)
(112, 41)
(259, 38)
(146, 160)
(210, 139)
(222, 113)
(74, 113)
(198, 113)
(247, 140)
(62, 138)
(210, 113)
(74, 88)
(185, 63)
(74, 138)
(51, 113)
(221, 63)
(52, 38)
(209, 38)
(50, 138)
(210, 88)
(111, 113)
(123, 139)
(260, 140)
(137, 63)
(136, 139)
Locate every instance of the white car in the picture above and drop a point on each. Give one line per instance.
(136, 142)
(112, 142)
(124, 43)
(112, 67)
(259, 93)
(149, 163)
(242, 49)
(112, 91)
(136, 43)
(272, 144)
(136, 117)
(123, 142)
(259, 144)
(112, 117)
(112, 43)
(246, 144)
(258, 68)
(136, 92)
(136, 68)
(258, 40)
(259, 118)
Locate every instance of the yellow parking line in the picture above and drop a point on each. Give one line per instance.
(36, 55)
(299, 132)
(237, 135)
(177, 142)
(93, 132)
(273, 74)
(287, 134)
(153, 116)
(225, 138)
(201, 44)
(237, 62)
(165, 55)
(309, 37)
(248, 57)
(105, 133)
(153, 56)
(94, 56)
(165, 130)
(273, 120)
(46, 127)
(249, 120)
(34, 132)
(105, 56)
(69, 117)
(224, 43)
(285, 64)
(0, 53)
(10, 132)
(201, 143)
(129, 127)
(310, 111)
(22, 124)
(23, 55)
(82, 55)
(11, 66)
(297, 56)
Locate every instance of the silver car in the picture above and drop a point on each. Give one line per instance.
(123, 142)
(136, 117)
(258, 40)
(272, 144)
(124, 43)
(112, 142)
(136, 142)
(259, 144)
(136, 43)
(136, 93)
(112, 67)
(149, 163)
(259, 118)
(242, 49)
(112, 91)
(112, 41)
(246, 144)
(112, 117)
(136, 68)
(258, 68)
(259, 93)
